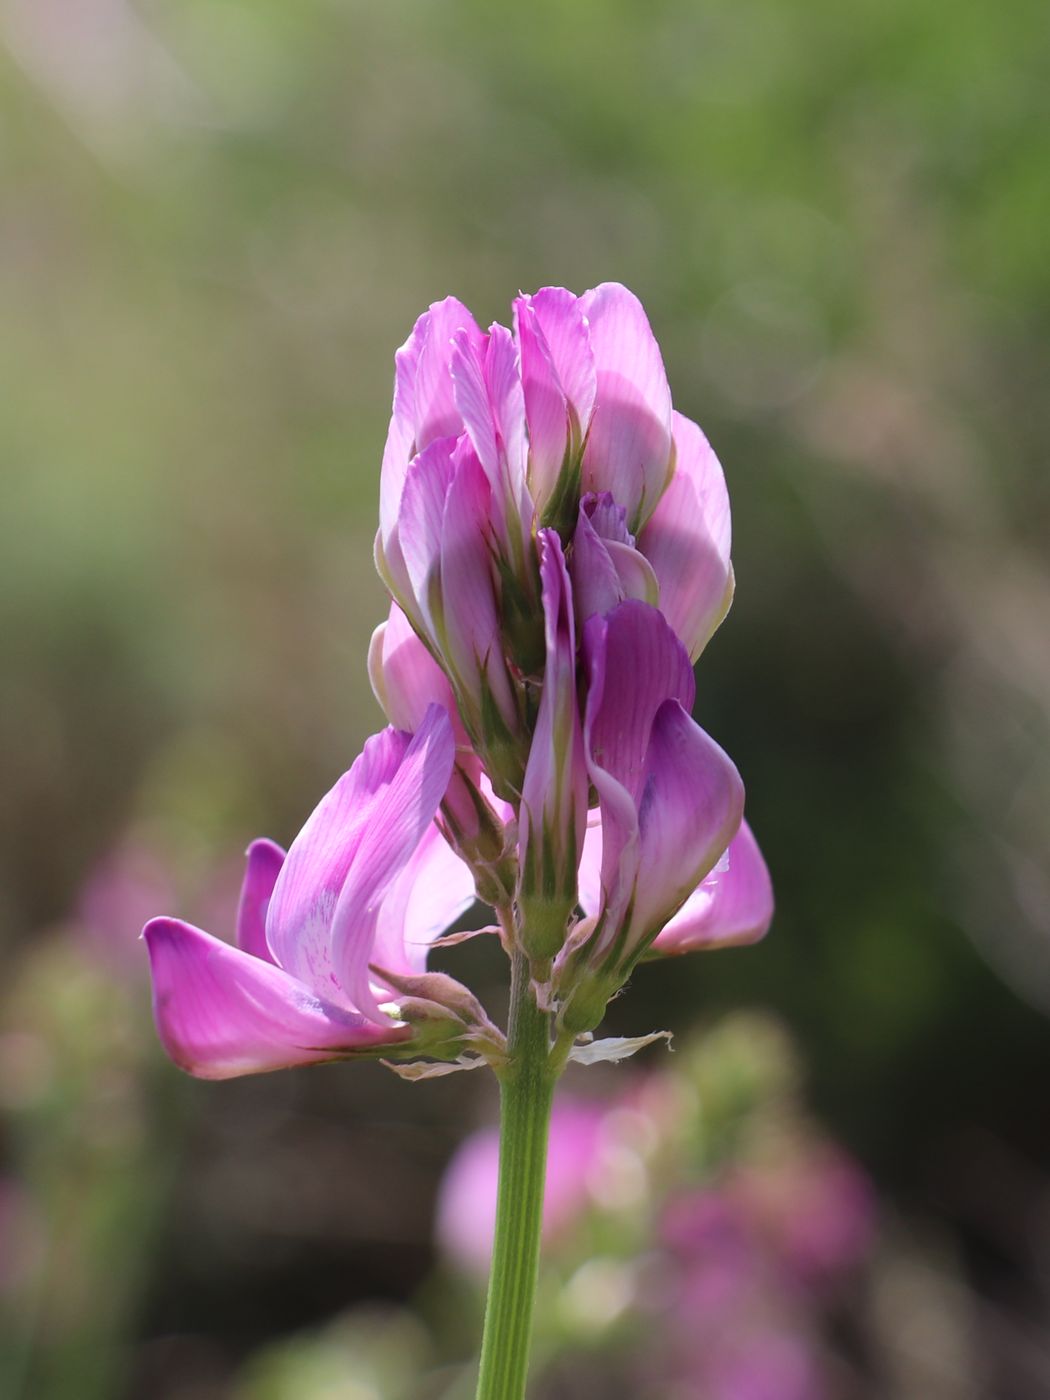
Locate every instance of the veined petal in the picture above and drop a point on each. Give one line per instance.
(436, 413)
(429, 895)
(472, 635)
(397, 820)
(687, 540)
(629, 445)
(299, 919)
(419, 531)
(424, 406)
(321, 921)
(222, 1013)
(558, 382)
(690, 810)
(264, 861)
(730, 906)
(563, 324)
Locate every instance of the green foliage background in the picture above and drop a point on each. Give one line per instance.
(219, 219)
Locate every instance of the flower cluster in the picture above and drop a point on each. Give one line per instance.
(555, 540)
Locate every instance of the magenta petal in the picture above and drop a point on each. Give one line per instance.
(264, 862)
(595, 578)
(634, 664)
(221, 1012)
(690, 810)
(732, 905)
(687, 540)
(473, 641)
(629, 446)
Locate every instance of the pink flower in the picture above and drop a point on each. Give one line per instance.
(495, 435)
(670, 799)
(368, 880)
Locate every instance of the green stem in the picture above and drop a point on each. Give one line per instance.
(526, 1091)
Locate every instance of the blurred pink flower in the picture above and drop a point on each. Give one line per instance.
(466, 1209)
(117, 898)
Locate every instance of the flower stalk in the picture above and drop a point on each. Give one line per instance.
(526, 1092)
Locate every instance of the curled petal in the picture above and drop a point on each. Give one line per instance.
(221, 1013)
(687, 540)
(691, 808)
(264, 862)
(424, 404)
(732, 905)
(606, 568)
(628, 448)
(321, 922)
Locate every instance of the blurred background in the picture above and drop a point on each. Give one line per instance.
(218, 220)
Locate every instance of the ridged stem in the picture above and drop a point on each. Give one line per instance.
(526, 1091)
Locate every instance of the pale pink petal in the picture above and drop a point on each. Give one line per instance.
(563, 324)
(732, 905)
(221, 1012)
(406, 680)
(398, 819)
(558, 380)
(264, 861)
(321, 921)
(299, 920)
(436, 413)
(429, 895)
(687, 540)
(419, 532)
(629, 445)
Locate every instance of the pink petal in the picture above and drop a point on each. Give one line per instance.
(487, 384)
(554, 794)
(687, 540)
(606, 568)
(221, 1012)
(400, 815)
(424, 405)
(691, 808)
(429, 895)
(472, 637)
(634, 664)
(436, 413)
(730, 906)
(321, 921)
(558, 380)
(265, 859)
(419, 531)
(629, 446)
(406, 680)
